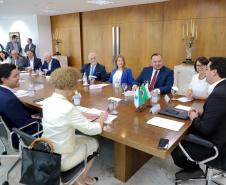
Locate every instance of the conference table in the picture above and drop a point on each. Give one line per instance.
(135, 141)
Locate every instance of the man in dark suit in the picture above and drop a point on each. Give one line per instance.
(211, 124)
(16, 59)
(13, 45)
(30, 46)
(31, 61)
(12, 110)
(50, 63)
(159, 76)
(94, 69)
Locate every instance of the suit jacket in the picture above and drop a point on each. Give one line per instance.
(10, 47)
(164, 80)
(14, 112)
(37, 63)
(33, 47)
(19, 61)
(212, 124)
(127, 77)
(55, 64)
(99, 71)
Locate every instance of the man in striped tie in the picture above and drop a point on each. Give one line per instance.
(160, 77)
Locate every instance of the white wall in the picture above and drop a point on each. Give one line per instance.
(36, 27)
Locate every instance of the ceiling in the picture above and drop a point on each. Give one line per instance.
(18, 8)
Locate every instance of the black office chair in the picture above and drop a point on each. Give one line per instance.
(213, 162)
(108, 75)
(68, 177)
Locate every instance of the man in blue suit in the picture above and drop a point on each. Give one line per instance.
(31, 61)
(94, 69)
(160, 77)
(12, 110)
(50, 63)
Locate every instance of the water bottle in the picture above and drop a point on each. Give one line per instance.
(85, 79)
(40, 71)
(117, 83)
(31, 91)
(76, 98)
(154, 98)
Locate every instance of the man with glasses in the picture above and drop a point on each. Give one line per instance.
(17, 60)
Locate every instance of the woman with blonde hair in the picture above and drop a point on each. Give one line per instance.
(121, 72)
(61, 118)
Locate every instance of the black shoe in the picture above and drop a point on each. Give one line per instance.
(185, 175)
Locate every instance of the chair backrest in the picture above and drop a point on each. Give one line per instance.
(108, 75)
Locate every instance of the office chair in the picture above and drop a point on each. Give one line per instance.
(8, 134)
(213, 162)
(108, 75)
(67, 177)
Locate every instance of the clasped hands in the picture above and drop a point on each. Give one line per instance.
(193, 113)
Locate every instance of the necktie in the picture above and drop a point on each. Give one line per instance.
(91, 71)
(153, 81)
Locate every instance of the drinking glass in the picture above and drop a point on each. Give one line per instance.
(45, 71)
(92, 79)
(114, 105)
(124, 86)
(28, 69)
(173, 91)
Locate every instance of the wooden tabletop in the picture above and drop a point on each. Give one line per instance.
(129, 128)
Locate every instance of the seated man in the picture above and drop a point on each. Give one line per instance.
(12, 110)
(50, 63)
(211, 124)
(31, 61)
(17, 60)
(159, 76)
(94, 69)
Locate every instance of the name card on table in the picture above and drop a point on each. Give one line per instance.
(167, 98)
(155, 108)
(39, 87)
(98, 86)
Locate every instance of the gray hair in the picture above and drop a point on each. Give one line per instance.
(48, 54)
(92, 54)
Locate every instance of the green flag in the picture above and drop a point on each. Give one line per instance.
(143, 93)
(137, 99)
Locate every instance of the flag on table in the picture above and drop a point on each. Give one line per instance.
(143, 93)
(147, 90)
(137, 99)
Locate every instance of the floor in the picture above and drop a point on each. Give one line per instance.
(155, 172)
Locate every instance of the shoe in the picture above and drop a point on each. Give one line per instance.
(95, 179)
(185, 175)
(78, 183)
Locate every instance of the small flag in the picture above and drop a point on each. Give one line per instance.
(137, 99)
(147, 90)
(143, 93)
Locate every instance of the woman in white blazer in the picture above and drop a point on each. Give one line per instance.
(61, 118)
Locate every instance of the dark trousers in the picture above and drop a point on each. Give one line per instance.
(195, 151)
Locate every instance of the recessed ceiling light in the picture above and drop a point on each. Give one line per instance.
(100, 2)
(1, 2)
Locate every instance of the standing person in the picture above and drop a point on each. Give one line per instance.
(14, 45)
(160, 77)
(198, 88)
(211, 124)
(17, 60)
(30, 46)
(121, 72)
(4, 57)
(94, 68)
(61, 118)
(31, 61)
(50, 63)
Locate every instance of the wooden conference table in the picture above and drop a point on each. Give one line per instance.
(135, 141)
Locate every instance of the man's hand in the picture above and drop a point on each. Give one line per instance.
(193, 113)
(92, 116)
(38, 117)
(134, 88)
(189, 95)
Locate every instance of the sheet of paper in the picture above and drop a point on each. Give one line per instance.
(98, 86)
(103, 85)
(21, 93)
(166, 123)
(24, 74)
(182, 107)
(130, 93)
(40, 102)
(115, 99)
(183, 99)
(82, 109)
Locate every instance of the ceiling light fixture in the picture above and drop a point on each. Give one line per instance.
(100, 2)
(47, 10)
(1, 2)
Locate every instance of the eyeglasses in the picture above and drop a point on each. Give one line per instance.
(200, 65)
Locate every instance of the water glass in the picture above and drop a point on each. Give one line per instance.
(124, 86)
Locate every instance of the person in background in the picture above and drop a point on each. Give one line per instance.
(121, 72)
(14, 45)
(30, 46)
(4, 58)
(17, 60)
(50, 63)
(198, 88)
(160, 77)
(31, 61)
(61, 118)
(94, 68)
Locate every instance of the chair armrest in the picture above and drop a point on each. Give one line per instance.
(198, 140)
(32, 123)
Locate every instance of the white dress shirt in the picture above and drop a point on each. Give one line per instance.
(211, 87)
(32, 63)
(49, 65)
(117, 75)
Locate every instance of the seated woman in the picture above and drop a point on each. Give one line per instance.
(61, 118)
(121, 73)
(198, 88)
(4, 58)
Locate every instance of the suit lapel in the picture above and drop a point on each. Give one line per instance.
(88, 70)
(94, 72)
(159, 76)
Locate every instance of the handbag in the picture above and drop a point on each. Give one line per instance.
(40, 167)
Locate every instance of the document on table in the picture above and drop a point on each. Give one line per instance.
(103, 85)
(115, 99)
(183, 99)
(82, 109)
(182, 107)
(166, 123)
(21, 93)
(24, 74)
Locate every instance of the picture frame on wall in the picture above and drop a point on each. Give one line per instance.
(14, 33)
